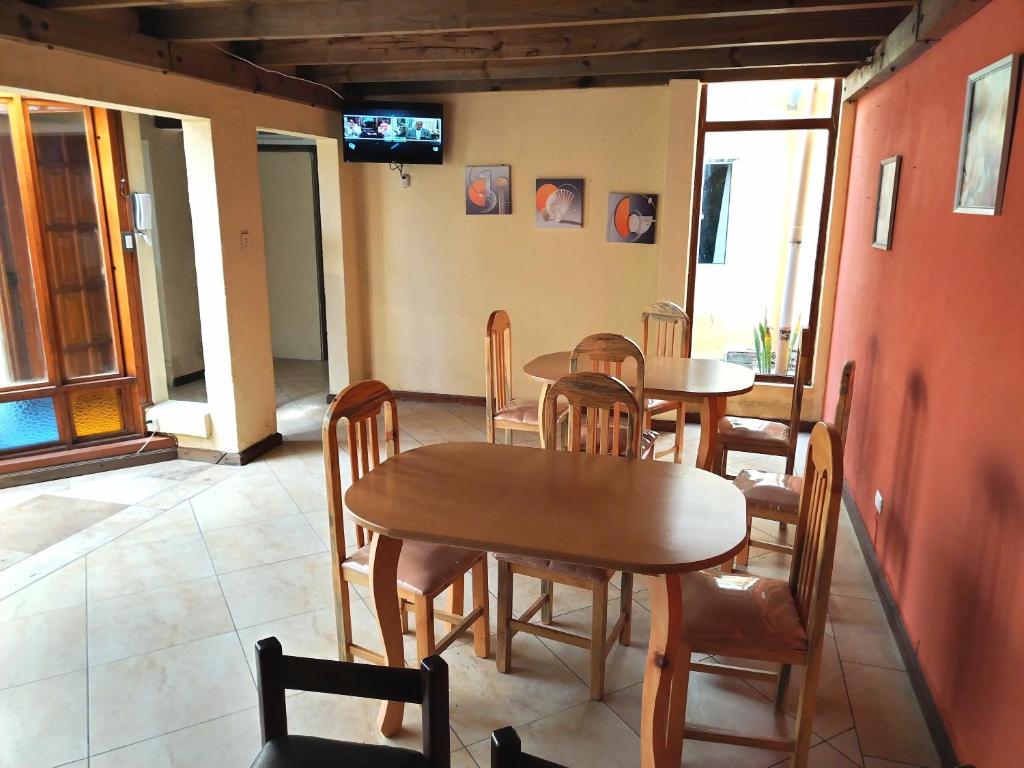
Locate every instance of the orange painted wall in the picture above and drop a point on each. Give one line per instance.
(937, 329)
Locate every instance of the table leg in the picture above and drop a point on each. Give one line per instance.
(540, 410)
(663, 716)
(384, 552)
(711, 410)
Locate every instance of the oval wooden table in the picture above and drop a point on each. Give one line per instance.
(689, 379)
(647, 517)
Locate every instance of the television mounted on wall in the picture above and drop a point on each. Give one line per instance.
(391, 132)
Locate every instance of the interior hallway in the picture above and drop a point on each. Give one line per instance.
(134, 620)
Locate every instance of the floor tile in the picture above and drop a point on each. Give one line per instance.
(887, 716)
(60, 589)
(159, 692)
(178, 521)
(232, 742)
(115, 487)
(270, 541)
(128, 625)
(118, 569)
(850, 575)
(311, 635)
(847, 743)
(482, 699)
(42, 645)
(245, 498)
(589, 734)
(825, 756)
(862, 632)
(44, 723)
(10, 557)
(269, 592)
(38, 523)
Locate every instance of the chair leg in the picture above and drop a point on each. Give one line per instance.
(677, 455)
(626, 608)
(503, 655)
(805, 714)
(489, 429)
(743, 558)
(424, 609)
(456, 600)
(508, 437)
(481, 600)
(598, 628)
(343, 620)
(781, 687)
(547, 610)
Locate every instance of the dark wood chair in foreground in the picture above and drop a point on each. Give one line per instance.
(769, 620)
(507, 752)
(611, 414)
(741, 433)
(424, 570)
(426, 686)
(776, 496)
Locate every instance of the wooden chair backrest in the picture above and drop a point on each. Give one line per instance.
(666, 330)
(803, 372)
(498, 356)
(602, 400)
(606, 353)
(810, 577)
(362, 404)
(845, 401)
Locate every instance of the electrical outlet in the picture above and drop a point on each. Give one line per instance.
(878, 502)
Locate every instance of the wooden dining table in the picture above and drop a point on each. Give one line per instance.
(705, 382)
(654, 518)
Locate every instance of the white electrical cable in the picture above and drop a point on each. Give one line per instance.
(274, 71)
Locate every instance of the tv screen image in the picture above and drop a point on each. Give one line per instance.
(381, 132)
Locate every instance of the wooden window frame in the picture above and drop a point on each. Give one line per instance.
(705, 126)
(131, 376)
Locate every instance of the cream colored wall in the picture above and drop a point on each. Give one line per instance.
(289, 231)
(174, 250)
(433, 274)
(220, 126)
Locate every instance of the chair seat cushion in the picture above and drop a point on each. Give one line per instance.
(729, 612)
(314, 752)
(518, 412)
(587, 572)
(753, 430)
(770, 490)
(423, 568)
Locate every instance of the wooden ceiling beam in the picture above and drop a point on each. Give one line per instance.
(338, 18)
(99, 5)
(932, 21)
(872, 24)
(850, 52)
(656, 78)
(57, 29)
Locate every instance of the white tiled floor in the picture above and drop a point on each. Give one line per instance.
(129, 643)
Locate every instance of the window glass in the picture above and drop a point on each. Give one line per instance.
(27, 423)
(769, 100)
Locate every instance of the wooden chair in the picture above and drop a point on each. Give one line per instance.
(769, 620)
(606, 353)
(503, 411)
(424, 570)
(740, 433)
(666, 333)
(507, 752)
(776, 496)
(604, 399)
(426, 686)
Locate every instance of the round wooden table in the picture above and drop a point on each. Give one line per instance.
(649, 517)
(688, 379)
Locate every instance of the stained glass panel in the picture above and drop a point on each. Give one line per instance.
(96, 412)
(25, 423)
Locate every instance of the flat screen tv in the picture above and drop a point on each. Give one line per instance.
(386, 132)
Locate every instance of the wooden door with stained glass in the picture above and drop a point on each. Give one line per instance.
(69, 355)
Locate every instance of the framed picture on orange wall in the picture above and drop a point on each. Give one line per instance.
(885, 204)
(985, 143)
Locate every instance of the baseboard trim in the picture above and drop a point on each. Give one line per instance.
(164, 450)
(239, 459)
(188, 378)
(430, 397)
(936, 726)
